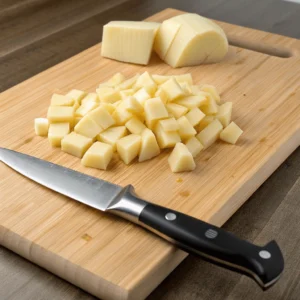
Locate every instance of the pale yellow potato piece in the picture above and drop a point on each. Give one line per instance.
(194, 146)
(111, 97)
(149, 146)
(176, 110)
(102, 117)
(166, 139)
(160, 79)
(155, 110)
(108, 106)
(141, 96)
(98, 156)
(186, 88)
(90, 97)
(181, 160)
(128, 147)
(224, 113)
(212, 90)
(116, 104)
(195, 89)
(112, 135)
(194, 116)
(41, 126)
(117, 79)
(88, 127)
(61, 100)
(210, 133)
(103, 90)
(76, 144)
(172, 89)
(129, 41)
(85, 108)
(185, 78)
(134, 125)
(132, 105)
(56, 132)
(77, 95)
(128, 83)
(211, 107)
(60, 114)
(162, 95)
(169, 124)
(125, 93)
(186, 129)
(121, 114)
(76, 120)
(231, 133)
(144, 80)
(192, 101)
(204, 122)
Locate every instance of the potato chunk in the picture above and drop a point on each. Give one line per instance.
(102, 117)
(90, 97)
(60, 114)
(141, 96)
(210, 133)
(128, 147)
(149, 146)
(169, 124)
(98, 156)
(212, 90)
(61, 100)
(155, 109)
(57, 131)
(194, 146)
(77, 95)
(172, 89)
(88, 127)
(192, 101)
(186, 129)
(112, 135)
(166, 139)
(194, 116)
(176, 110)
(224, 113)
(135, 126)
(41, 126)
(231, 133)
(181, 159)
(85, 108)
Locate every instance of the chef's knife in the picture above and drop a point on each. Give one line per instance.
(264, 264)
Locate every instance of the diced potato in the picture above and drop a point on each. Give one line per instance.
(192, 101)
(211, 107)
(41, 126)
(212, 90)
(172, 89)
(112, 135)
(60, 114)
(88, 127)
(194, 116)
(181, 159)
(162, 95)
(231, 133)
(194, 146)
(98, 156)
(134, 125)
(144, 80)
(121, 114)
(77, 95)
(90, 97)
(85, 108)
(186, 129)
(166, 139)
(149, 146)
(56, 133)
(76, 144)
(155, 110)
(128, 147)
(117, 79)
(151, 89)
(111, 97)
(108, 106)
(176, 110)
(204, 122)
(103, 90)
(125, 93)
(141, 96)
(210, 133)
(224, 113)
(186, 88)
(186, 78)
(169, 124)
(132, 105)
(61, 100)
(129, 83)
(195, 89)
(102, 117)
(116, 104)
(160, 79)
(76, 120)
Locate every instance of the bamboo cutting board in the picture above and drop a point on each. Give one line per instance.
(108, 256)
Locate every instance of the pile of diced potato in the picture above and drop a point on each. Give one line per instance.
(137, 118)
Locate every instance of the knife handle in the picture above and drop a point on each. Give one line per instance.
(264, 264)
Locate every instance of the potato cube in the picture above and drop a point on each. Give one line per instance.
(110, 97)
(141, 96)
(108, 106)
(210, 133)
(172, 89)
(56, 133)
(194, 146)
(211, 107)
(121, 114)
(192, 101)
(76, 120)
(181, 159)
(144, 80)
(151, 89)
(166, 139)
(128, 147)
(155, 110)
(77, 95)
(212, 90)
(90, 97)
(186, 129)
(76, 144)
(176, 110)
(186, 78)
(85, 108)
(162, 95)
(129, 83)
(125, 93)
(149, 146)
(195, 89)
(169, 124)
(115, 80)
(160, 79)
(231, 133)
(116, 104)
(102, 117)
(60, 114)
(204, 122)
(186, 88)
(224, 113)
(195, 115)
(88, 127)
(41, 126)
(112, 135)
(134, 125)
(61, 100)
(98, 156)
(132, 105)
(103, 90)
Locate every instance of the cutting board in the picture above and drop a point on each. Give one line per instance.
(105, 255)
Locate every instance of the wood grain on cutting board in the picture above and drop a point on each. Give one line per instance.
(103, 254)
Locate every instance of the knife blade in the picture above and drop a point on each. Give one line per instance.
(264, 264)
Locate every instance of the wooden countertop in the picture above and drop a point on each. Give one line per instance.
(37, 34)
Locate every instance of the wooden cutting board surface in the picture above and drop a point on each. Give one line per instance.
(108, 256)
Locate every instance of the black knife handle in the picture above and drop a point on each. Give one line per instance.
(264, 264)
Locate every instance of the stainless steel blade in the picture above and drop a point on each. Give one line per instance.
(89, 190)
